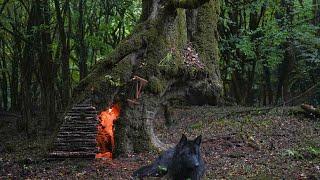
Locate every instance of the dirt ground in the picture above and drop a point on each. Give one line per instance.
(238, 143)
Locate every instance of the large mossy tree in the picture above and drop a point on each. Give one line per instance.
(155, 51)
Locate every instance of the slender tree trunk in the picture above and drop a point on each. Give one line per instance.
(47, 67)
(287, 64)
(236, 84)
(4, 83)
(316, 13)
(285, 69)
(26, 67)
(82, 50)
(16, 59)
(251, 77)
(268, 97)
(14, 84)
(64, 56)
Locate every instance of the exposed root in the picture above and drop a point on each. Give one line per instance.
(154, 139)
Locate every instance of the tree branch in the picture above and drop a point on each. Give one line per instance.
(188, 4)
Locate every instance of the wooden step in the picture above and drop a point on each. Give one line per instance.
(82, 105)
(78, 115)
(73, 154)
(78, 118)
(76, 144)
(69, 139)
(82, 112)
(82, 129)
(83, 108)
(76, 136)
(79, 149)
(74, 121)
(78, 126)
(78, 133)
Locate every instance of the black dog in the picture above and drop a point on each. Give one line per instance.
(180, 163)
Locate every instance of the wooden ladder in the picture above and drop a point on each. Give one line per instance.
(140, 83)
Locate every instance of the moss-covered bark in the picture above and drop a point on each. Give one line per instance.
(205, 39)
(161, 36)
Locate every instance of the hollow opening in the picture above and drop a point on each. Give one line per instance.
(105, 131)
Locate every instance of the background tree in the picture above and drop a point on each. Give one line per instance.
(40, 61)
(267, 48)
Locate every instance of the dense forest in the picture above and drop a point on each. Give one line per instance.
(244, 53)
(49, 46)
(269, 50)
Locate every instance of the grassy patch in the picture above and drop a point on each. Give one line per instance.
(197, 125)
(308, 153)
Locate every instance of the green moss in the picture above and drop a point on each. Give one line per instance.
(197, 125)
(181, 28)
(167, 37)
(156, 85)
(123, 70)
(207, 20)
(171, 64)
(205, 41)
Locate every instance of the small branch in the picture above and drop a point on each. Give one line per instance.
(188, 4)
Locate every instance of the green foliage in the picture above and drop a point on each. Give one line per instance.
(170, 63)
(310, 152)
(105, 24)
(197, 125)
(249, 47)
(167, 61)
(293, 154)
(246, 46)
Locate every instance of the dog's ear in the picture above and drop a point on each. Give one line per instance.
(197, 140)
(183, 140)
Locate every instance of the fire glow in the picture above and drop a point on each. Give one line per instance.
(105, 136)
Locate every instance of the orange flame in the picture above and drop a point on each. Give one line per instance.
(105, 136)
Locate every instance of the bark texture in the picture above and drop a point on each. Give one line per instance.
(155, 52)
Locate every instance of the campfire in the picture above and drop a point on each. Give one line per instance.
(105, 135)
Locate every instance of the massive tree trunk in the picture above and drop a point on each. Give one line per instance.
(156, 52)
(203, 33)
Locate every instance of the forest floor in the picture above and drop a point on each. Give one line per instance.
(237, 143)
